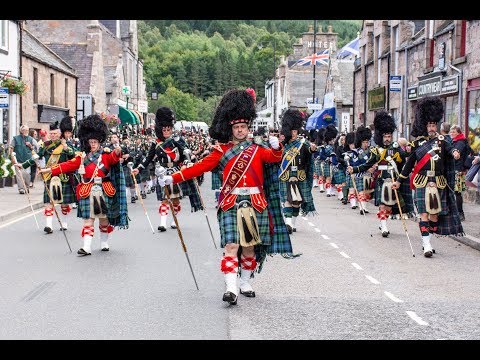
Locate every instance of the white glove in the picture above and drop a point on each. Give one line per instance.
(274, 142)
(165, 180)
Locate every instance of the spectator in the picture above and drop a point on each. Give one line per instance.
(460, 143)
(33, 169)
(22, 145)
(445, 131)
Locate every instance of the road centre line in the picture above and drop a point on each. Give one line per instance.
(416, 318)
(344, 255)
(334, 245)
(356, 266)
(373, 280)
(325, 237)
(392, 297)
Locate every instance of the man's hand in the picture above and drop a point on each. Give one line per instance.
(350, 169)
(125, 156)
(45, 170)
(135, 172)
(19, 166)
(456, 154)
(64, 144)
(395, 185)
(274, 142)
(118, 150)
(165, 180)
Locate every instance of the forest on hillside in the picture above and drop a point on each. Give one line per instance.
(191, 63)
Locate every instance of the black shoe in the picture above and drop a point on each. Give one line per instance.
(354, 207)
(462, 216)
(63, 229)
(344, 201)
(152, 190)
(83, 252)
(230, 298)
(133, 200)
(294, 229)
(328, 195)
(363, 212)
(249, 293)
(48, 229)
(105, 249)
(289, 229)
(149, 191)
(162, 228)
(173, 226)
(21, 191)
(144, 196)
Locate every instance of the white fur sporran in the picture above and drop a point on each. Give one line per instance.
(56, 190)
(387, 195)
(433, 202)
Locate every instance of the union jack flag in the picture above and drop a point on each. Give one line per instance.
(319, 58)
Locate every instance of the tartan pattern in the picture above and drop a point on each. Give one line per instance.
(68, 193)
(317, 167)
(325, 169)
(404, 195)
(280, 241)
(339, 176)
(216, 180)
(460, 184)
(419, 199)
(228, 221)
(128, 177)
(358, 182)
(118, 213)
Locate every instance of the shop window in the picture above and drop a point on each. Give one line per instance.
(474, 119)
(451, 110)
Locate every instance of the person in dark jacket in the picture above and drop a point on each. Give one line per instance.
(460, 142)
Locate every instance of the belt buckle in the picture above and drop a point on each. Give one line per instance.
(430, 173)
(97, 180)
(244, 191)
(243, 203)
(170, 164)
(293, 168)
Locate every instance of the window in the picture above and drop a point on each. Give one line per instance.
(4, 35)
(378, 44)
(463, 37)
(66, 93)
(473, 114)
(451, 110)
(35, 85)
(394, 50)
(52, 89)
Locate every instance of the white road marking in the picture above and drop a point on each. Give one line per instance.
(334, 245)
(392, 297)
(417, 318)
(356, 266)
(21, 218)
(317, 230)
(373, 280)
(311, 224)
(325, 237)
(344, 255)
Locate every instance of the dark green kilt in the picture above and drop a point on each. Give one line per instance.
(83, 209)
(143, 175)
(216, 181)
(227, 220)
(317, 167)
(404, 195)
(303, 186)
(419, 199)
(68, 193)
(358, 182)
(339, 176)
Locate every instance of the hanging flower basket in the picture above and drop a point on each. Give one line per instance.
(111, 120)
(14, 86)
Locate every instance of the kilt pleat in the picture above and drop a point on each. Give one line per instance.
(68, 194)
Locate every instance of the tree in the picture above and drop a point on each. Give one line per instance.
(183, 104)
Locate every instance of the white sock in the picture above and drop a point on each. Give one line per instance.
(87, 243)
(294, 222)
(49, 221)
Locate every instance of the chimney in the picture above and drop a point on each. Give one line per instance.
(330, 28)
(94, 36)
(310, 28)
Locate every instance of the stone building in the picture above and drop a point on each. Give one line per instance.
(52, 83)
(402, 61)
(294, 84)
(104, 54)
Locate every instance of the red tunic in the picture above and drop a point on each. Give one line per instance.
(83, 189)
(209, 162)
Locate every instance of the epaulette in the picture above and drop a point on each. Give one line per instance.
(107, 150)
(374, 151)
(78, 153)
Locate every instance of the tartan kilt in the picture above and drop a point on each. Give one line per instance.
(325, 169)
(216, 181)
(69, 196)
(339, 176)
(317, 168)
(83, 209)
(160, 191)
(143, 175)
(227, 220)
(303, 186)
(358, 182)
(419, 199)
(460, 184)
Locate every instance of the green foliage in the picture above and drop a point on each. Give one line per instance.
(189, 62)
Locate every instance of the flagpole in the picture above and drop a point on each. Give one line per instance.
(314, 53)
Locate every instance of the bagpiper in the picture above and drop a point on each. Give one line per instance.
(432, 168)
(59, 188)
(101, 192)
(249, 213)
(386, 156)
(296, 170)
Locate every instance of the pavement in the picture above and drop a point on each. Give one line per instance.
(13, 204)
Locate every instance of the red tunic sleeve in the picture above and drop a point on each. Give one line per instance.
(111, 158)
(270, 155)
(67, 166)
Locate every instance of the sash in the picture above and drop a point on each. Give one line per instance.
(285, 161)
(53, 159)
(420, 164)
(237, 171)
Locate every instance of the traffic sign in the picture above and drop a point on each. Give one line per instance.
(4, 97)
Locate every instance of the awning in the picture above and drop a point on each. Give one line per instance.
(127, 116)
(321, 118)
(139, 116)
